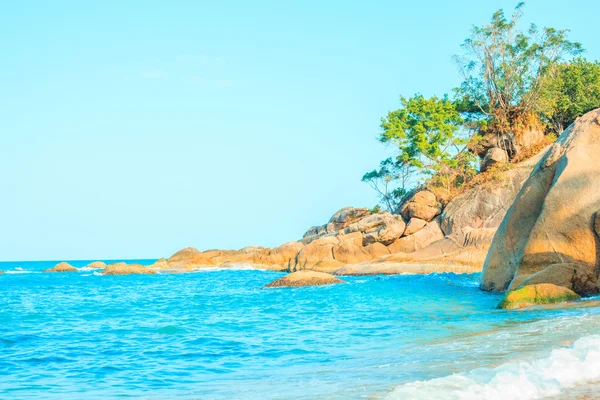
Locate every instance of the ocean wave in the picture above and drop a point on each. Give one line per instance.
(21, 271)
(563, 369)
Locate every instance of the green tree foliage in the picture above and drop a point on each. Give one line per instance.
(428, 136)
(391, 182)
(571, 90)
(503, 68)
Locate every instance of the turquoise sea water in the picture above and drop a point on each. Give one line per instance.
(217, 335)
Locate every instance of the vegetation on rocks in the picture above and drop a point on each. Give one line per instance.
(520, 88)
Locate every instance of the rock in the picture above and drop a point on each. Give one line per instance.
(393, 228)
(348, 214)
(1, 273)
(544, 293)
(252, 249)
(414, 226)
(284, 255)
(578, 277)
(513, 144)
(185, 254)
(318, 250)
(431, 233)
(304, 278)
(377, 250)
(340, 220)
(160, 264)
(327, 266)
(96, 265)
(494, 156)
(485, 205)
(350, 249)
(62, 267)
(552, 220)
(422, 205)
(126, 269)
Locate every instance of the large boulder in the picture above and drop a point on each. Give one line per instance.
(62, 267)
(414, 226)
(350, 249)
(422, 205)
(578, 277)
(552, 220)
(431, 233)
(494, 156)
(532, 295)
(305, 278)
(318, 250)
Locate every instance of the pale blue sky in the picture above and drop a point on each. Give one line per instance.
(131, 129)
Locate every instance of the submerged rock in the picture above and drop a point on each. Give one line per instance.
(126, 269)
(96, 265)
(531, 295)
(1, 272)
(305, 278)
(62, 267)
(552, 220)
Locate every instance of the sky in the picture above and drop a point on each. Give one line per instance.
(132, 129)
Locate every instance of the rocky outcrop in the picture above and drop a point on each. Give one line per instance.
(96, 265)
(304, 278)
(553, 219)
(340, 220)
(127, 269)
(62, 267)
(1, 273)
(538, 294)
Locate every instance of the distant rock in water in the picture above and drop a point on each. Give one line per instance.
(551, 232)
(96, 265)
(305, 278)
(126, 269)
(531, 295)
(62, 267)
(1, 273)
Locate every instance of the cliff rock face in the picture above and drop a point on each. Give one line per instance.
(553, 220)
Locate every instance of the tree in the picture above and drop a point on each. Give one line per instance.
(503, 69)
(427, 133)
(391, 182)
(569, 91)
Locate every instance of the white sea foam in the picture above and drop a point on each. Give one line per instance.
(21, 271)
(564, 368)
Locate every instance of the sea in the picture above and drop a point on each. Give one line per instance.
(217, 334)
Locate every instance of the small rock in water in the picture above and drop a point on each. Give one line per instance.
(62, 267)
(305, 278)
(531, 295)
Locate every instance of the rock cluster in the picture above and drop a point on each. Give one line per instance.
(551, 232)
(127, 269)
